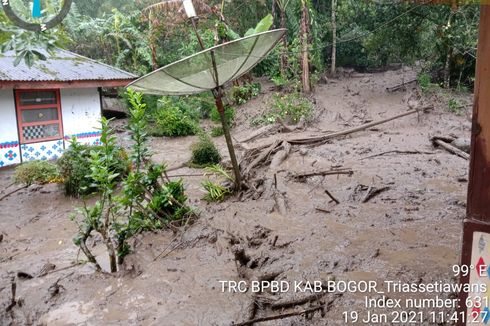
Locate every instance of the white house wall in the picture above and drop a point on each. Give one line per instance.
(9, 137)
(81, 110)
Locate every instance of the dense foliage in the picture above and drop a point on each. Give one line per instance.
(148, 199)
(39, 172)
(204, 152)
(370, 34)
(289, 108)
(75, 167)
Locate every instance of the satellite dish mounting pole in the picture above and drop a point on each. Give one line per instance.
(218, 97)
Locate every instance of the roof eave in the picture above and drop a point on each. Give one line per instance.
(24, 84)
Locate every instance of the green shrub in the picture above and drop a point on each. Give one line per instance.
(217, 131)
(289, 107)
(242, 94)
(454, 106)
(172, 122)
(39, 172)
(292, 107)
(204, 152)
(424, 81)
(214, 192)
(74, 167)
(202, 104)
(163, 201)
(229, 115)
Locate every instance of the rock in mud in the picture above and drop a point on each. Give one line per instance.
(463, 144)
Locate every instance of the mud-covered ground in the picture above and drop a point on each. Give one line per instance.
(410, 232)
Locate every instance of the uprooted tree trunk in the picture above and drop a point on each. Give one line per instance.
(271, 147)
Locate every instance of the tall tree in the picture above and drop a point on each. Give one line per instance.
(305, 46)
(282, 5)
(334, 37)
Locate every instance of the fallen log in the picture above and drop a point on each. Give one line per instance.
(260, 132)
(397, 152)
(302, 176)
(263, 155)
(323, 139)
(12, 192)
(450, 148)
(316, 140)
(402, 85)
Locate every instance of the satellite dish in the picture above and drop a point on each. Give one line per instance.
(197, 73)
(209, 70)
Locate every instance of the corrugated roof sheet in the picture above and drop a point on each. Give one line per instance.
(61, 66)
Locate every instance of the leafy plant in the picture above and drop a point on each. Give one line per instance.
(102, 216)
(28, 46)
(201, 104)
(218, 170)
(217, 131)
(148, 197)
(214, 192)
(242, 94)
(217, 191)
(39, 172)
(262, 26)
(424, 81)
(290, 108)
(229, 115)
(74, 166)
(172, 122)
(151, 199)
(454, 106)
(204, 152)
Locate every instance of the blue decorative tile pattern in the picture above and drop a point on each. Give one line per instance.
(42, 151)
(9, 153)
(14, 153)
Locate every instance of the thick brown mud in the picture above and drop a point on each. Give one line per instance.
(409, 232)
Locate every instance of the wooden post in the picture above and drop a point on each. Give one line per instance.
(476, 245)
(479, 182)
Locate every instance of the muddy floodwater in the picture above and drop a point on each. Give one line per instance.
(408, 232)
